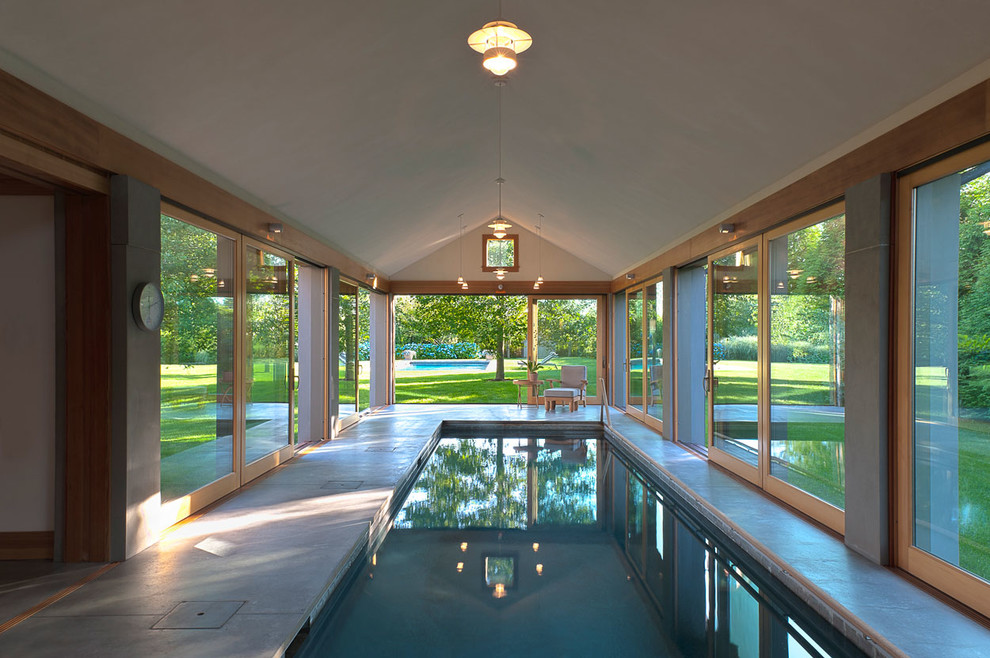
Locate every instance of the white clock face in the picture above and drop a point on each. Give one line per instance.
(149, 307)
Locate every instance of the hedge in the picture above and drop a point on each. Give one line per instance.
(434, 351)
(744, 348)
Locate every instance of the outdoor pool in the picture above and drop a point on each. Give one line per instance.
(463, 365)
(554, 545)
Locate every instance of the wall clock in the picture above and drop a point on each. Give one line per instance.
(148, 306)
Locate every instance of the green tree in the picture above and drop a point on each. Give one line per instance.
(494, 322)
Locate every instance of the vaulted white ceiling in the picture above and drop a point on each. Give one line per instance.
(629, 124)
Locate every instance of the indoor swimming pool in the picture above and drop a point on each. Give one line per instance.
(553, 545)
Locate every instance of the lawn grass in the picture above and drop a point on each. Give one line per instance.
(473, 387)
(188, 387)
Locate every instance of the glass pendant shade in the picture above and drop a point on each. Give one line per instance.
(500, 41)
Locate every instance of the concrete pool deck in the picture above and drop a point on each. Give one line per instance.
(258, 564)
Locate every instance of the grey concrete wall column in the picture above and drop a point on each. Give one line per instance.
(333, 352)
(135, 384)
(667, 335)
(378, 333)
(868, 208)
(619, 331)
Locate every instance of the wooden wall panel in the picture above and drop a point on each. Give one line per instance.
(27, 545)
(491, 288)
(87, 379)
(955, 122)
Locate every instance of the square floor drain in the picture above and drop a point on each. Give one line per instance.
(199, 614)
(379, 450)
(342, 484)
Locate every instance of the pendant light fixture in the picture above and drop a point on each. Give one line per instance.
(500, 41)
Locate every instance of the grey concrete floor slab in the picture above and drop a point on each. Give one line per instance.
(279, 543)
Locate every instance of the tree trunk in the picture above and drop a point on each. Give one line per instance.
(500, 359)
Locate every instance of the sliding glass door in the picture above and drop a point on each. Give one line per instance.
(776, 363)
(566, 333)
(229, 368)
(268, 355)
(198, 415)
(733, 361)
(644, 350)
(943, 360)
(634, 350)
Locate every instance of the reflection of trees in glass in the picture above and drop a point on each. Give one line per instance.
(634, 312)
(189, 284)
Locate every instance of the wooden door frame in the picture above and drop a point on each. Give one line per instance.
(601, 311)
(175, 510)
(826, 513)
(252, 470)
(753, 474)
(954, 581)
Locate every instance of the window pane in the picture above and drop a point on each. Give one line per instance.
(734, 354)
(364, 349)
(654, 349)
(807, 359)
(197, 357)
(347, 356)
(952, 369)
(267, 395)
(567, 334)
(500, 253)
(634, 310)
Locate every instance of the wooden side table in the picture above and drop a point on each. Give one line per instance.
(534, 390)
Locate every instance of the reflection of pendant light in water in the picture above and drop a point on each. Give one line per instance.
(539, 260)
(460, 252)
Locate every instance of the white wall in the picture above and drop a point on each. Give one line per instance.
(27, 355)
(558, 265)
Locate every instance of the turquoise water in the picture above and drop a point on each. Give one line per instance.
(556, 547)
(471, 366)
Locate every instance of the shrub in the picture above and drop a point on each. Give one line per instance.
(744, 348)
(440, 351)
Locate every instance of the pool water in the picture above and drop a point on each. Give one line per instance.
(554, 546)
(460, 365)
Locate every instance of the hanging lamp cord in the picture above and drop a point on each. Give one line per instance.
(499, 132)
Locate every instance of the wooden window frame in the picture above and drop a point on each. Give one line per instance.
(640, 413)
(954, 581)
(485, 267)
(252, 470)
(601, 342)
(759, 475)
